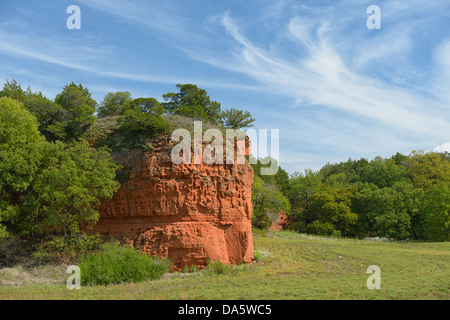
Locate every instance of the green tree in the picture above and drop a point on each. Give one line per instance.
(237, 119)
(351, 168)
(382, 173)
(51, 117)
(113, 103)
(142, 119)
(13, 90)
(428, 169)
(20, 156)
(303, 186)
(64, 197)
(337, 180)
(435, 212)
(332, 207)
(193, 102)
(48, 189)
(268, 202)
(80, 108)
(390, 212)
(281, 178)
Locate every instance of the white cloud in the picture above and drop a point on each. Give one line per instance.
(443, 148)
(323, 79)
(344, 91)
(378, 112)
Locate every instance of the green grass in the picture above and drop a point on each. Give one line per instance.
(291, 266)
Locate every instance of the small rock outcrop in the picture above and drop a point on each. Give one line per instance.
(190, 213)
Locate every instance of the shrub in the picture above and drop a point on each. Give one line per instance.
(260, 255)
(321, 228)
(54, 248)
(298, 226)
(217, 267)
(117, 264)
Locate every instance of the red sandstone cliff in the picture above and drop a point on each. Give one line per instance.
(188, 213)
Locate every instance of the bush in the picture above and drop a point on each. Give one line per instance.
(54, 248)
(117, 264)
(218, 267)
(321, 228)
(260, 255)
(298, 226)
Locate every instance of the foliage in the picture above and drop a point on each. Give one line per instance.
(64, 196)
(217, 267)
(303, 186)
(113, 103)
(20, 156)
(13, 90)
(192, 102)
(48, 189)
(56, 248)
(382, 173)
(237, 119)
(268, 202)
(50, 116)
(142, 119)
(330, 211)
(436, 212)
(80, 107)
(396, 197)
(118, 264)
(428, 169)
(390, 212)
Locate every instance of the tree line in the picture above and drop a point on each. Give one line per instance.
(401, 197)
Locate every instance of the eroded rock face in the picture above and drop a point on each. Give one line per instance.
(188, 213)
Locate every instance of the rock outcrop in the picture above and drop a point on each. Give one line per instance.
(190, 213)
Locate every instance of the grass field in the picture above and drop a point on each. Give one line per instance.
(292, 266)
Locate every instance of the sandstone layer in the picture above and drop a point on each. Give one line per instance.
(190, 213)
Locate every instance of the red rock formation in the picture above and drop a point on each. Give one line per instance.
(188, 213)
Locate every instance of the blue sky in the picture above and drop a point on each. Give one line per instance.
(312, 69)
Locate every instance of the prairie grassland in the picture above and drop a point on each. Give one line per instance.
(290, 266)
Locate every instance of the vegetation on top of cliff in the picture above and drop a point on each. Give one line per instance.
(136, 123)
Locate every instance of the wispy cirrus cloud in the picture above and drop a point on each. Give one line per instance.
(310, 68)
(349, 83)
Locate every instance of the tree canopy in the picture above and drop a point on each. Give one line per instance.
(237, 119)
(192, 102)
(48, 189)
(113, 103)
(80, 107)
